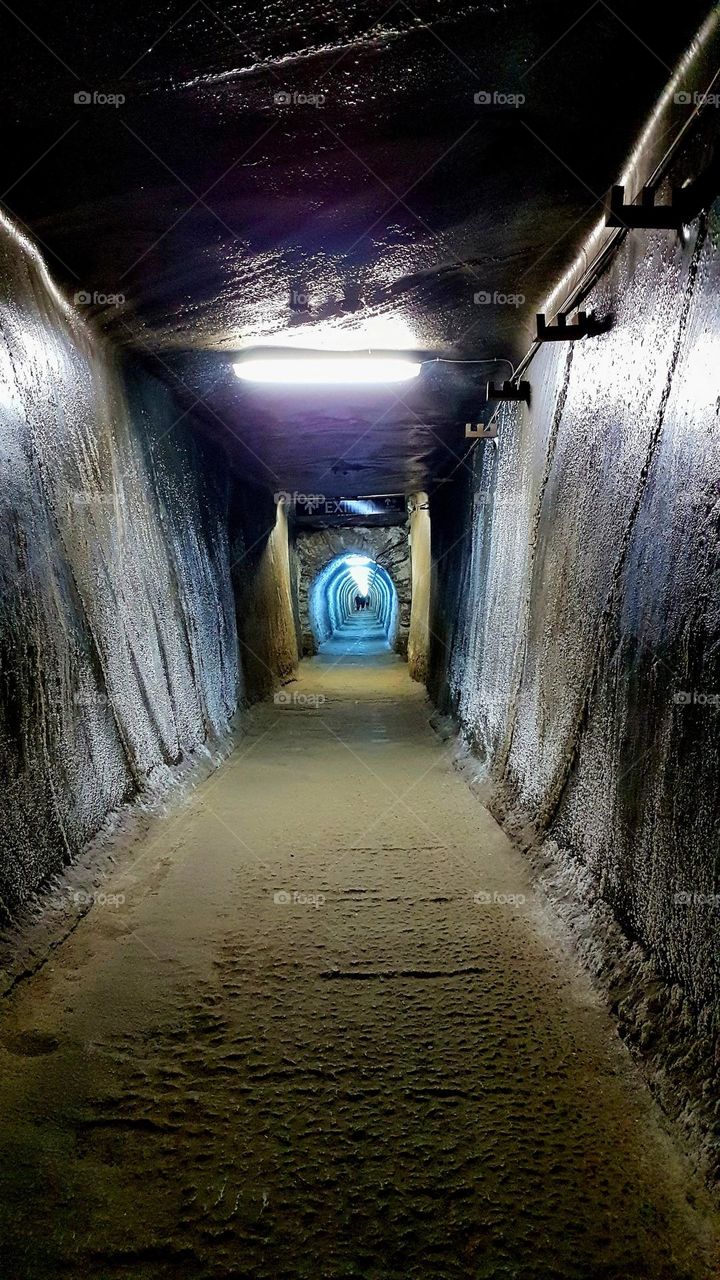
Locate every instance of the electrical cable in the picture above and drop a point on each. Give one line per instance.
(453, 360)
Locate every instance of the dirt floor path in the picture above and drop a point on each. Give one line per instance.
(328, 1034)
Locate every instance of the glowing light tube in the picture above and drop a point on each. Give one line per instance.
(327, 369)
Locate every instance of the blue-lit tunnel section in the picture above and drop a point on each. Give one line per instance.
(334, 592)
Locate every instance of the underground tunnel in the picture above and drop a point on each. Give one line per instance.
(353, 584)
(360, 642)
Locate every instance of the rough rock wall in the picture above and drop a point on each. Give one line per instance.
(418, 636)
(577, 641)
(267, 628)
(117, 644)
(314, 549)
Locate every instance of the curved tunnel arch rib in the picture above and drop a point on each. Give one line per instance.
(332, 595)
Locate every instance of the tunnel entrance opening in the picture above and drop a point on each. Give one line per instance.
(353, 600)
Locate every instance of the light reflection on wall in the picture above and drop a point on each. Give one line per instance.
(382, 332)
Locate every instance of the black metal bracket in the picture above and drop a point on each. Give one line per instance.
(481, 430)
(508, 391)
(686, 203)
(647, 215)
(586, 326)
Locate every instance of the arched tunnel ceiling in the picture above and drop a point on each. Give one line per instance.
(224, 215)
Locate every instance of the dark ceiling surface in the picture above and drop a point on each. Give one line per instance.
(369, 174)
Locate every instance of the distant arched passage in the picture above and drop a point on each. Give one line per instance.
(334, 590)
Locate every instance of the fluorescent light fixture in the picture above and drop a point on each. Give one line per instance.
(326, 367)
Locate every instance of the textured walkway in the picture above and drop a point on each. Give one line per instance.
(329, 1034)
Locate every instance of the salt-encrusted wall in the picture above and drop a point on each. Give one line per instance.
(576, 638)
(118, 650)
